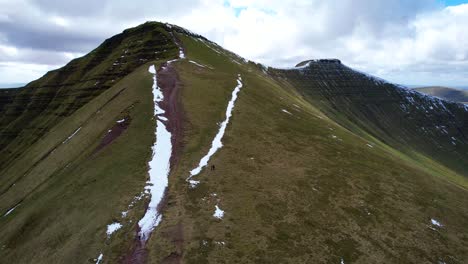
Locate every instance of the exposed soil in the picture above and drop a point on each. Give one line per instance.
(113, 134)
(138, 253)
(170, 85)
(58, 144)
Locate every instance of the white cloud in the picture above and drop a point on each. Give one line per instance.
(60, 21)
(14, 72)
(412, 42)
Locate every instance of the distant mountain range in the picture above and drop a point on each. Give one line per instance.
(11, 85)
(451, 94)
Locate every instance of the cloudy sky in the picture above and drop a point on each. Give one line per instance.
(417, 42)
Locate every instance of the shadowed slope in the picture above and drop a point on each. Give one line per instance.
(399, 117)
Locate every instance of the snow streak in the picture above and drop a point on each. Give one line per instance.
(72, 135)
(11, 210)
(159, 165)
(99, 259)
(200, 65)
(216, 144)
(436, 223)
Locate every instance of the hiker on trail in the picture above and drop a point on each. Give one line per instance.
(212, 167)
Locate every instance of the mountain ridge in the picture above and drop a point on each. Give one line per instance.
(317, 164)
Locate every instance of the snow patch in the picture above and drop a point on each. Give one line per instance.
(216, 144)
(121, 120)
(286, 111)
(181, 50)
(218, 212)
(159, 166)
(99, 259)
(370, 146)
(157, 93)
(193, 183)
(436, 223)
(112, 228)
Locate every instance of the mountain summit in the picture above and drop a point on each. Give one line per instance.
(160, 146)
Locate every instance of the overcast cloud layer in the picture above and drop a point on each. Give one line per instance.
(410, 42)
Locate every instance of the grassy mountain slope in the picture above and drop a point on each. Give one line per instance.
(447, 93)
(403, 119)
(319, 165)
(69, 184)
(298, 188)
(30, 112)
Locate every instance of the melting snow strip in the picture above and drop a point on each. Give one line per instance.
(121, 120)
(286, 111)
(200, 65)
(159, 166)
(11, 210)
(218, 212)
(112, 228)
(99, 259)
(181, 51)
(217, 144)
(72, 135)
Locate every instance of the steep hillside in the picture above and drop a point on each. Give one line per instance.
(29, 113)
(66, 161)
(195, 155)
(401, 118)
(450, 94)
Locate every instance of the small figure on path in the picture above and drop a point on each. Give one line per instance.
(213, 167)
